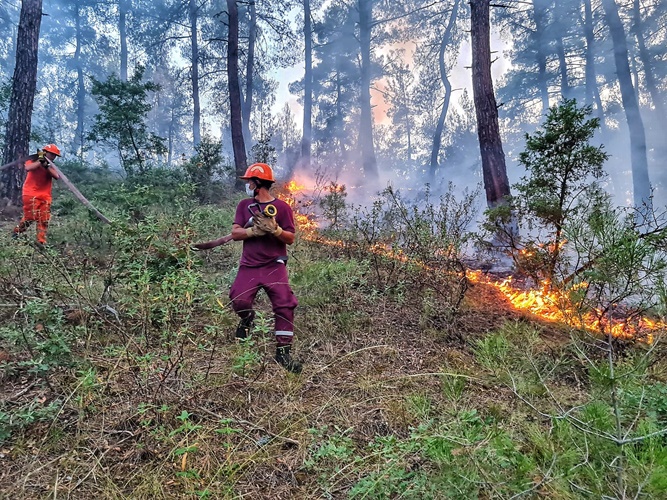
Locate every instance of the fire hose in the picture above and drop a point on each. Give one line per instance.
(16, 162)
(269, 211)
(77, 194)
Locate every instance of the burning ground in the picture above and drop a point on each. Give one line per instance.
(416, 384)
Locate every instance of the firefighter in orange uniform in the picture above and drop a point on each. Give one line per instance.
(37, 193)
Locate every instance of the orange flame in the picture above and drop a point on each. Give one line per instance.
(294, 187)
(553, 305)
(547, 303)
(306, 223)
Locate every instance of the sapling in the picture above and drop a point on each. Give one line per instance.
(562, 170)
(615, 345)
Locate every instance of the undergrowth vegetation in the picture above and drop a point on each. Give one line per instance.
(120, 377)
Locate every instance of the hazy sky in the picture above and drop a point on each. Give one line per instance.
(460, 79)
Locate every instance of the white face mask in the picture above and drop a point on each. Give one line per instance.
(248, 191)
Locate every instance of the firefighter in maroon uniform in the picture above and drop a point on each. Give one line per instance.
(266, 226)
(37, 192)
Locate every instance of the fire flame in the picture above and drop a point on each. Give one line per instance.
(305, 222)
(547, 303)
(553, 305)
(294, 187)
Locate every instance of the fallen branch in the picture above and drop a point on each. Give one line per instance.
(238, 421)
(20, 393)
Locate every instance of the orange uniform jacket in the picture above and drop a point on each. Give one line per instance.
(38, 184)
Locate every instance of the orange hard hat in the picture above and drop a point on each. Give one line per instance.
(52, 148)
(259, 171)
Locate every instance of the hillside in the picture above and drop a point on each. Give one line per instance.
(120, 378)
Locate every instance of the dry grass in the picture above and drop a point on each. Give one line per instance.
(378, 372)
(359, 382)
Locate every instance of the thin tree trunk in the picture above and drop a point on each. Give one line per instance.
(339, 118)
(170, 135)
(539, 18)
(634, 70)
(408, 132)
(367, 147)
(246, 106)
(123, 7)
(81, 88)
(592, 90)
(24, 84)
(238, 145)
(196, 116)
(565, 89)
(645, 58)
(496, 183)
(437, 135)
(307, 137)
(640, 178)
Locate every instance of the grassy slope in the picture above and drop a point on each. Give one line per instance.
(397, 399)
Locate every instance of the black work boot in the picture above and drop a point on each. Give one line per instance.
(285, 360)
(244, 328)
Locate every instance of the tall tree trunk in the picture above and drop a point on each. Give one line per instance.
(647, 63)
(565, 89)
(246, 107)
(170, 135)
(592, 90)
(81, 88)
(367, 147)
(240, 160)
(540, 20)
(24, 83)
(408, 133)
(634, 71)
(307, 137)
(123, 7)
(640, 178)
(196, 116)
(494, 169)
(339, 128)
(437, 135)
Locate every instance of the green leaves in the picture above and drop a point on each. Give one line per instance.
(121, 122)
(560, 187)
(561, 165)
(186, 427)
(205, 165)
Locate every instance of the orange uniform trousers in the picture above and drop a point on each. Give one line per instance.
(35, 210)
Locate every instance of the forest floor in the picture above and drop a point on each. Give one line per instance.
(204, 416)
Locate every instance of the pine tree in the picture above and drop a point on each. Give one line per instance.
(24, 83)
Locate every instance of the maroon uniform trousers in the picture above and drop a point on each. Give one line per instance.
(273, 279)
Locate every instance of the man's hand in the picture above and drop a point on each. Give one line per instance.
(41, 158)
(268, 224)
(255, 231)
